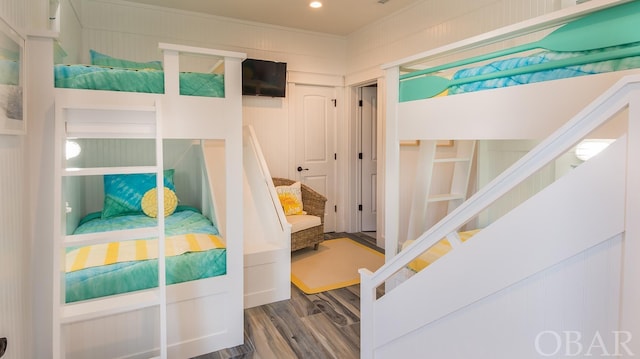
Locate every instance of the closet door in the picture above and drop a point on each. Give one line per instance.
(315, 143)
(368, 158)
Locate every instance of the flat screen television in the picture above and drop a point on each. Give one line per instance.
(264, 78)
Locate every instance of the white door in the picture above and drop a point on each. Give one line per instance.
(315, 144)
(368, 163)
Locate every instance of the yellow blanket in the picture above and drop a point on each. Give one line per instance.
(436, 251)
(135, 250)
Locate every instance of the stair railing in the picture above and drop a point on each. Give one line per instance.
(603, 108)
(250, 136)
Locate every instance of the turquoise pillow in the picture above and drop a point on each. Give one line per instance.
(106, 60)
(123, 193)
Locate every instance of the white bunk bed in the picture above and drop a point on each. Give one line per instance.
(561, 263)
(201, 138)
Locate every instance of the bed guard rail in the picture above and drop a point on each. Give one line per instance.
(423, 60)
(171, 63)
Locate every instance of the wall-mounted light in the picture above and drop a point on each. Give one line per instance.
(72, 150)
(591, 147)
(315, 4)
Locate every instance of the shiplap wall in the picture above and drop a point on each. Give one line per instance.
(14, 248)
(15, 280)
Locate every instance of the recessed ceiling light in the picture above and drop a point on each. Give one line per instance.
(315, 4)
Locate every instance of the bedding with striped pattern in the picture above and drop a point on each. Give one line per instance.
(197, 252)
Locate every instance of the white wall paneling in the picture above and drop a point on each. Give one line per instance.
(15, 273)
(116, 26)
(14, 248)
(14, 13)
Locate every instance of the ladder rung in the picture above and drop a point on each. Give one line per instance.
(116, 304)
(111, 122)
(451, 159)
(91, 107)
(445, 197)
(96, 171)
(110, 236)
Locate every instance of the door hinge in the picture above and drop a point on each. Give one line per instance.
(335, 208)
(335, 102)
(360, 155)
(359, 207)
(360, 103)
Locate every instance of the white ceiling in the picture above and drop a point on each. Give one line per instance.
(338, 17)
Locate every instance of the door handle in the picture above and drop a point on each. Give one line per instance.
(300, 169)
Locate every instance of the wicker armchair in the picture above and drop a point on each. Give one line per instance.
(314, 204)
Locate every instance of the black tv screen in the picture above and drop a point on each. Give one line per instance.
(264, 78)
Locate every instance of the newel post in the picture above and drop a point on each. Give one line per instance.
(367, 300)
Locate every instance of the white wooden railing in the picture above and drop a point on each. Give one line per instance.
(265, 176)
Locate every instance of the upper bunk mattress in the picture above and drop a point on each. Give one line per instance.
(539, 76)
(93, 77)
(537, 67)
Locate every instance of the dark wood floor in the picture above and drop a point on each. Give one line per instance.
(323, 325)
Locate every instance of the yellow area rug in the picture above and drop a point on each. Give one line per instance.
(334, 265)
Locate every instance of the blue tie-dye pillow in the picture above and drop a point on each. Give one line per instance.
(123, 193)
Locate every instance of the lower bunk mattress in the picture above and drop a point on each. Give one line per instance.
(194, 251)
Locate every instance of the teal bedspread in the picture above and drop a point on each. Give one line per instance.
(132, 80)
(539, 58)
(130, 276)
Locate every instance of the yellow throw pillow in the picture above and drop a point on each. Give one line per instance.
(150, 202)
(290, 198)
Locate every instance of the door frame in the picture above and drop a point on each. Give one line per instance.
(360, 149)
(354, 163)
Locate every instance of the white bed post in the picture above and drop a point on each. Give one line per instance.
(630, 306)
(162, 274)
(234, 174)
(392, 165)
(171, 72)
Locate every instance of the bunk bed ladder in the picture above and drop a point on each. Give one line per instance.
(436, 158)
(74, 121)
